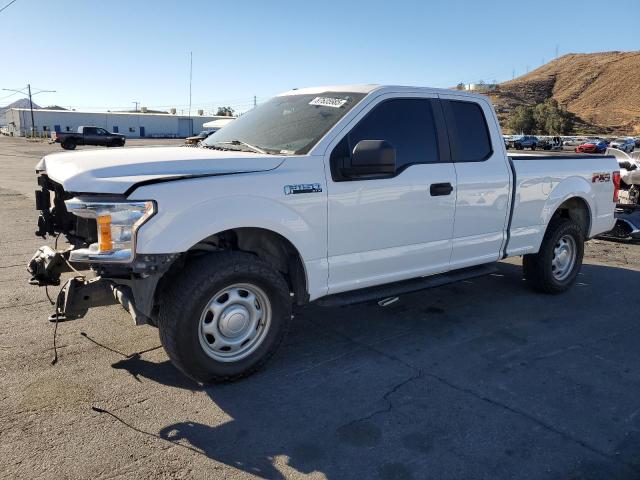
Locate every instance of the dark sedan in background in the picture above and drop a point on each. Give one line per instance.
(524, 141)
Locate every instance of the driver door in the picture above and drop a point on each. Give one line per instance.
(399, 226)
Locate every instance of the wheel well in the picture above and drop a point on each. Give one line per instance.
(267, 245)
(577, 210)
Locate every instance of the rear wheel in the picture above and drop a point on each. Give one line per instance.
(555, 267)
(224, 316)
(533, 146)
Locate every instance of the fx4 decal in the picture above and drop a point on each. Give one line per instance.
(601, 177)
(302, 188)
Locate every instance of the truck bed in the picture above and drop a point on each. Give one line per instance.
(544, 181)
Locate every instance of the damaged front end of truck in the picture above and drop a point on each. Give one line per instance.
(100, 231)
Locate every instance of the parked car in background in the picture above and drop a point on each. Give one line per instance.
(573, 141)
(627, 145)
(88, 136)
(550, 143)
(525, 141)
(593, 145)
(197, 138)
(637, 141)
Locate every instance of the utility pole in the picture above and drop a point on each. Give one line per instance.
(33, 123)
(136, 104)
(190, 78)
(556, 50)
(255, 103)
(513, 74)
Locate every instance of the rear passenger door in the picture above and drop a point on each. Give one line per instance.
(90, 136)
(388, 229)
(484, 180)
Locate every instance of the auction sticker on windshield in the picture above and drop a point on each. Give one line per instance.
(328, 102)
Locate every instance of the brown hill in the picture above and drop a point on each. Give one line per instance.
(601, 89)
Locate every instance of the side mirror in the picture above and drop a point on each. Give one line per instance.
(372, 157)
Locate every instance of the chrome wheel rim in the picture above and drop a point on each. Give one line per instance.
(564, 257)
(234, 322)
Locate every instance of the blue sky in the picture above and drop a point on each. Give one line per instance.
(102, 55)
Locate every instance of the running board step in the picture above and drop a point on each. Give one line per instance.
(404, 287)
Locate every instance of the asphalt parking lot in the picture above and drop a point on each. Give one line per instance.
(482, 379)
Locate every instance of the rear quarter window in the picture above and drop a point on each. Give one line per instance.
(468, 132)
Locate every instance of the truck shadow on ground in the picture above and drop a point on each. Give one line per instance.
(431, 387)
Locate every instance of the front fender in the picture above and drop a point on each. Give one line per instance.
(177, 230)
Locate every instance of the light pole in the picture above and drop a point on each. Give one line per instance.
(33, 123)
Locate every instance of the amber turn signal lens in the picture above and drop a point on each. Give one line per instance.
(104, 232)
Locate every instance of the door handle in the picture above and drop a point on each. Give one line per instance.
(437, 189)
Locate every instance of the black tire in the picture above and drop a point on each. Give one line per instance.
(69, 145)
(533, 146)
(184, 300)
(538, 269)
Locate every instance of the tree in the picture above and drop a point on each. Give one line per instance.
(460, 86)
(225, 111)
(552, 119)
(547, 118)
(522, 120)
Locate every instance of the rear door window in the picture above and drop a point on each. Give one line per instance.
(468, 132)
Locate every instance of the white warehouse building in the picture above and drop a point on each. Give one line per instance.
(132, 124)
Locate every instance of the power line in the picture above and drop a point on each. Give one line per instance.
(33, 126)
(12, 94)
(7, 5)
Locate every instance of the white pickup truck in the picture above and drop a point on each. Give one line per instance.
(333, 195)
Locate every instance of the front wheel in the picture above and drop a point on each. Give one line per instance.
(555, 267)
(224, 316)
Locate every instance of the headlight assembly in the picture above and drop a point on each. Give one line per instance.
(117, 223)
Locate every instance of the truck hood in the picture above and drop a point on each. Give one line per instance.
(115, 171)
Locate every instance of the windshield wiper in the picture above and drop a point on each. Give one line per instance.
(214, 147)
(244, 144)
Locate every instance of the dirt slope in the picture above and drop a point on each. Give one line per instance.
(602, 89)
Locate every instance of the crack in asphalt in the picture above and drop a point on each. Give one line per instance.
(387, 398)
(4, 307)
(580, 345)
(534, 419)
(418, 373)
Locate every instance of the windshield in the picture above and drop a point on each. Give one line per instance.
(289, 124)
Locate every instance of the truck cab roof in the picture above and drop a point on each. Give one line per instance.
(376, 88)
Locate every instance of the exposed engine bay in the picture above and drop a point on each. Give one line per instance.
(54, 218)
(131, 285)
